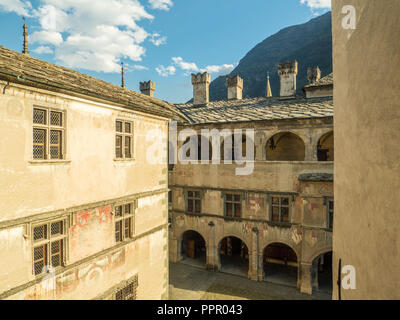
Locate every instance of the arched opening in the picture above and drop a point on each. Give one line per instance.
(280, 264)
(325, 150)
(200, 140)
(243, 146)
(321, 272)
(193, 248)
(234, 256)
(285, 146)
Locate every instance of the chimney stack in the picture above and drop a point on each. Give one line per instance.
(313, 74)
(287, 72)
(201, 91)
(148, 88)
(235, 87)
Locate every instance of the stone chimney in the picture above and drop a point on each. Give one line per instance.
(201, 91)
(235, 87)
(287, 72)
(148, 88)
(313, 74)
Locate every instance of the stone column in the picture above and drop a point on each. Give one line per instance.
(253, 256)
(305, 273)
(212, 263)
(310, 149)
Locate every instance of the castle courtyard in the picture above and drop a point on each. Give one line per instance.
(189, 282)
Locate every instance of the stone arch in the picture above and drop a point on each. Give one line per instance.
(319, 252)
(233, 255)
(243, 145)
(200, 139)
(325, 146)
(321, 270)
(193, 247)
(280, 263)
(285, 146)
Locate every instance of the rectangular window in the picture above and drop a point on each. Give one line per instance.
(233, 205)
(124, 222)
(193, 201)
(330, 214)
(48, 134)
(170, 197)
(280, 209)
(49, 242)
(124, 140)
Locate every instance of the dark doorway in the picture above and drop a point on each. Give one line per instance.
(280, 264)
(193, 249)
(322, 273)
(234, 256)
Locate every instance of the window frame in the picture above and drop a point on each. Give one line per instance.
(123, 135)
(233, 202)
(280, 206)
(330, 211)
(193, 198)
(47, 127)
(130, 217)
(47, 241)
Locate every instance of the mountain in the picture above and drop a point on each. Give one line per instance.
(310, 44)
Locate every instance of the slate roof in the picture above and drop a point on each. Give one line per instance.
(24, 69)
(257, 109)
(325, 81)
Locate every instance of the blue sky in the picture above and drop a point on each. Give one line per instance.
(159, 40)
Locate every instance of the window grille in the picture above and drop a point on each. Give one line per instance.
(124, 222)
(128, 292)
(48, 245)
(280, 209)
(193, 202)
(48, 134)
(233, 205)
(124, 139)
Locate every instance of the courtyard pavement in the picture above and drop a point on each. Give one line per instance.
(188, 282)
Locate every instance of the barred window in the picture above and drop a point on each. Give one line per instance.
(330, 214)
(48, 134)
(193, 202)
(124, 139)
(233, 205)
(280, 209)
(49, 242)
(128, 292)
(124, 222)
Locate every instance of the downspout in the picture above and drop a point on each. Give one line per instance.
(5, 87)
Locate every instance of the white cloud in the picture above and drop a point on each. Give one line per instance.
(157, 40)
(90, 35)
(186, 66)
(18, 6)
(219, 70)
(192, 67)
(136, 67)
(43, 49)
(317, 4)
(161, 4)
(49, 37)
(166, 71)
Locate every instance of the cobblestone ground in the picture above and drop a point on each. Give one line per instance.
(193, 283)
